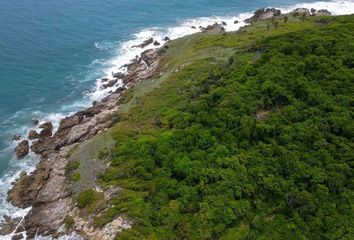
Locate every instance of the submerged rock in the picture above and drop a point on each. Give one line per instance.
(16, 137)
(22, 149)
(262, 14)
(35, 121)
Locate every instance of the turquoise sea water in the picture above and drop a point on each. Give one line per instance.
(52, 52)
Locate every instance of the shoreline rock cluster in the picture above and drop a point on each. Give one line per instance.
(44, 189)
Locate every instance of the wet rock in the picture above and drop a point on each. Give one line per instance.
(224, 23)
(323, 12)
(166, 39)
(47, 129)
(145, 43)
(262, 14)
(16, 137)
(22, 149)
(9, 225)
(32, 134)
(110, 83)
(118, 75)
(215, 27)
(103, 80)
(26, 188)
(156, 43)
(236, 21)
(193, 27)
(17, 237)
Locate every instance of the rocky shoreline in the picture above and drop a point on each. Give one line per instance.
(44, 189)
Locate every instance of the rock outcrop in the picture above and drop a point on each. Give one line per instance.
(262, 14)
(9, 225)
(145, 43)
(22, 149)
(323, 12)
(216, 27)
(301, 12)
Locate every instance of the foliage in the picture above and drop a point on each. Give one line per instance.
(211, 169)
(85, 198)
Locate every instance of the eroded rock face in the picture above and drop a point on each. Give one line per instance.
(262, 14)
(22, 149)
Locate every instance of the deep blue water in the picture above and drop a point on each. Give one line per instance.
(48, 58)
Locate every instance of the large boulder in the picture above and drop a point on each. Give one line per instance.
(47, 129)
(22, 149)
(262, 14)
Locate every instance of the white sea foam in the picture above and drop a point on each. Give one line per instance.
(124, 53)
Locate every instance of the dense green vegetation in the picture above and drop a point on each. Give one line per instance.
(259, 146)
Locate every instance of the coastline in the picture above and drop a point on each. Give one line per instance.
(40, 188)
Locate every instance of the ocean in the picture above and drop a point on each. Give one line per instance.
(52, 54)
